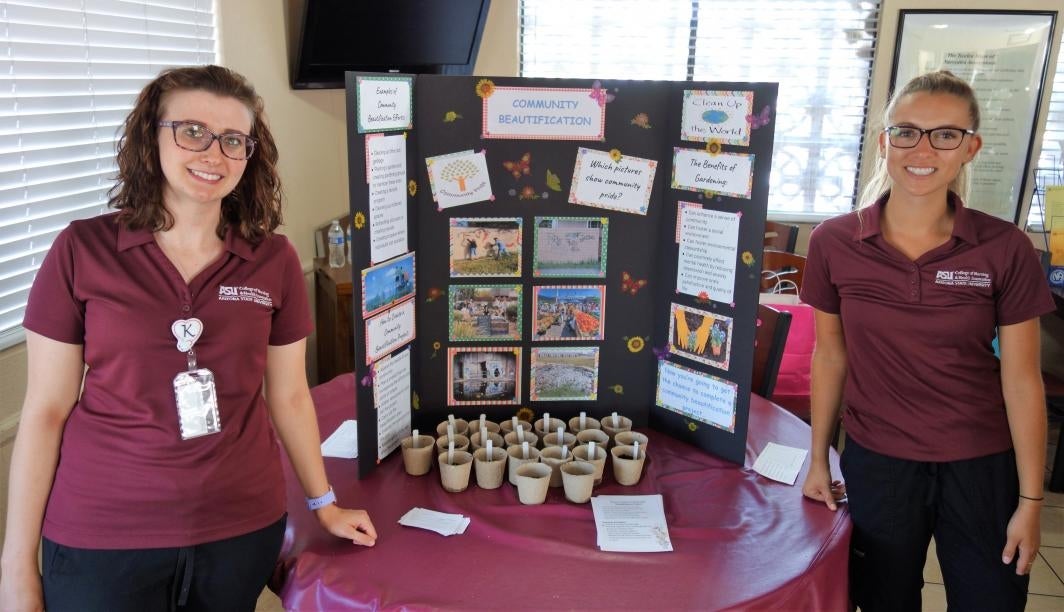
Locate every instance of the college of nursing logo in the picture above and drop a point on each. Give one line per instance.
(962, 278)
(244, 294)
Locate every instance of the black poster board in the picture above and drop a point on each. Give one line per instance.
(643, 121)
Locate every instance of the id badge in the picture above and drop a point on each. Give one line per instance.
(197, 403)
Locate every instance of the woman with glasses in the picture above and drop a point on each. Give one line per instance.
(166, 347)
(943, 440)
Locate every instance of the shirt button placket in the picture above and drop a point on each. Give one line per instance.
(914, 284)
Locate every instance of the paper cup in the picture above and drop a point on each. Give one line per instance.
(455, 476)
(461, 443)
(552, 456)
(597, 436)
(511, 439)
(508, 426)
(598, 461)
(578, 478)
(554, 425)
(489, 473)
(491, 426)
(589, 423)
(567, 439)
(476, 443)
(625, 438)
(533, 480)
(516, 460)
(627, 471)
(418, 461)
(461, 426)
(612, 430)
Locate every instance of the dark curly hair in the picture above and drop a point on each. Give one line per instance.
(253, 208)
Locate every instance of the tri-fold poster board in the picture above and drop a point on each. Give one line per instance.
(556, 246)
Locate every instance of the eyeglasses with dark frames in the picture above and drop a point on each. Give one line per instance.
(942, 138)
(193, 136)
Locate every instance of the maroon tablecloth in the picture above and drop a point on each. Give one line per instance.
(740, 541)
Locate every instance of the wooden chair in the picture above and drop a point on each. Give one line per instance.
(771, 337)
(781, 236)
(782, 272)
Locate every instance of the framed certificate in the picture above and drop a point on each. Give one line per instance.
(1003, 55)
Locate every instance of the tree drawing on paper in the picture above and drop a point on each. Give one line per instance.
(459, 171)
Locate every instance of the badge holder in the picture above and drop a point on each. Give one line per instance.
(194, 389)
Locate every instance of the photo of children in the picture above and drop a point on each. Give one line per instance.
(485, 247)
(570, 246)
(388, 283)
(484, 376)
(568, 313)
(700, 335)
(485, 312)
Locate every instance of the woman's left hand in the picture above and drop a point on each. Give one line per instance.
(1023, 533)
(352, 525)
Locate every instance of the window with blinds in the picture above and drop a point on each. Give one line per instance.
(70, 71)
(1049, 169)
(819, 51)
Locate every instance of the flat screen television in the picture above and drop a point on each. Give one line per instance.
(412, 36)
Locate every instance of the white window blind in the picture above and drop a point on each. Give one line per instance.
(70, 71)
(819, 51)
(1049, 170)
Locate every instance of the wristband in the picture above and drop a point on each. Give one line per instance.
(313, 503)
(1033, 498)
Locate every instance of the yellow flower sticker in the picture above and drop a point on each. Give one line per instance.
(360, 220)
(451, 117)
(713, 147)
(618, 389)
(415, 400)
(411, 187)
(692, 425)
(615, 155)
(636, 344)
(748, 258)
(526, 414)
(485, 88)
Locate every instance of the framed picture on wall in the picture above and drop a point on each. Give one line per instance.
(1003, 55)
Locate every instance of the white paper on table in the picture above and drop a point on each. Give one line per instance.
(631, 523)
(780, 463)
(440, 522)
(343, 442)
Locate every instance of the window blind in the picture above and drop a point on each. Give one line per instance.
(70, 71)
(819, 51)
(1049, 169)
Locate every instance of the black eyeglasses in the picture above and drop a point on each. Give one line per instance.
(943, 138)
(193, 136)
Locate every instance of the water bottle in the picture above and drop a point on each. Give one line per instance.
(336, 245)
(350, 247)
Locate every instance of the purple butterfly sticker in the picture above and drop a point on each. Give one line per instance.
(600, 95)
(661, 352)
(761, 119)
(367, 380)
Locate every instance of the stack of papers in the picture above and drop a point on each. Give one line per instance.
(440, 522)
(780, 463)
(631, 523)
(343, 442)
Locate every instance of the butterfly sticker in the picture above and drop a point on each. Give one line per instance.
(761, 119)
(553, 182)
(520, 167)
(630, 285)
(600, 95)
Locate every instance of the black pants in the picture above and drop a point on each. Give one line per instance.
(226, 575)
(898, 505)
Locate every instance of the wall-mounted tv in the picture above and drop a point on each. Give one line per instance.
(412, 36)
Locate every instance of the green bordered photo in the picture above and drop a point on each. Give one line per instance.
(564, 374)
(570, 247)
(484, 312)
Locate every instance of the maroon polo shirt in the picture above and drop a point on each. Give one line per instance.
(923, 382)
(125, 477)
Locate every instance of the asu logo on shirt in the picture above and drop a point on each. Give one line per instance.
(962, 278)
(244, 294)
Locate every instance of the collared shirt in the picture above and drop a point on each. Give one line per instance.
(125, 477)
(922, 380)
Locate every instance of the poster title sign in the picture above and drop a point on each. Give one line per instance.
(384, 103)
(543, 113)
(724, 173)
(720, 115)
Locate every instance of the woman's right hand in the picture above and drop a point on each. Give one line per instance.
(20, 590)
(820, 487)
